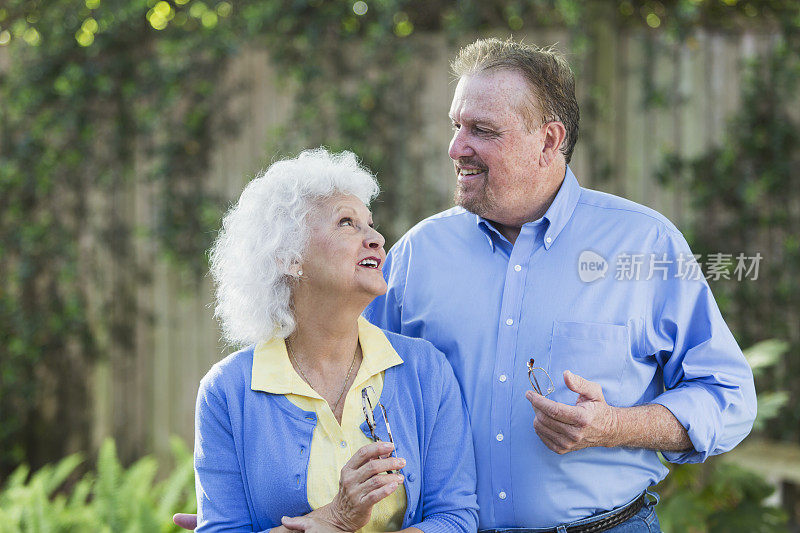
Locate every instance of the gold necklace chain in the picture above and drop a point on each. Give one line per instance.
(303, 375)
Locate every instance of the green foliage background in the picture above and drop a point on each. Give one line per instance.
(95, 94)
(109, 499)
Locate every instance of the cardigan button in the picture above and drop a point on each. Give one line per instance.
(411, 477)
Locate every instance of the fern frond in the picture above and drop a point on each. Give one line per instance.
(61, 472)
(107, 499)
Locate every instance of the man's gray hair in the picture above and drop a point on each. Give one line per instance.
(547, 72)
(266, 232)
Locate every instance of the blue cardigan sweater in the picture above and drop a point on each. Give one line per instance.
(251, 447)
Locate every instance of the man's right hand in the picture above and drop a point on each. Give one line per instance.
(363, 483)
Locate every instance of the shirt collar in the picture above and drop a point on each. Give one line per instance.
(557, 215)
(560, 211)
(273, 372)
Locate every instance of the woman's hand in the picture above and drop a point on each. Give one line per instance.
(363, 483)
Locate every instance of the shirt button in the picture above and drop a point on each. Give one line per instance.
(502, 495)
(548, 240)
(343, 444)
(502, 378)
(509, 321)
(517, 268)
(499, 437)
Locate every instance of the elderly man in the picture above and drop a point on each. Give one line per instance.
(533, 277)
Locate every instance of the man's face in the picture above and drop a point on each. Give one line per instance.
(496, 158)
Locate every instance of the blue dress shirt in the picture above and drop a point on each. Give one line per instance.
(568, 294)
(251, 447)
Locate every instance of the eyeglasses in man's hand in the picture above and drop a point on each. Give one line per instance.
(532, 371)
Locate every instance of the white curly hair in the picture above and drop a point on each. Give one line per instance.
(265, 232)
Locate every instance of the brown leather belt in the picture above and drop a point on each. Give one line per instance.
(596, 526)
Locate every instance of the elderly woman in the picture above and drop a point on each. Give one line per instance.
(324, 422)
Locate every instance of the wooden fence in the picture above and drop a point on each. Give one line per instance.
(142, 400)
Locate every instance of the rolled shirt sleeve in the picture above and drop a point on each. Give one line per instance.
(709, 384)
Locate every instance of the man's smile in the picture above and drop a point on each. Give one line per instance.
(469, 174)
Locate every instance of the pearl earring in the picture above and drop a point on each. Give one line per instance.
(299, 272)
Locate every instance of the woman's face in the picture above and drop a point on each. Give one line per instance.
(345, 253)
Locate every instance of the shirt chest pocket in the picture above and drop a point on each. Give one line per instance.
(597, 352)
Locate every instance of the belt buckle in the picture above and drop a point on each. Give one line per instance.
(614, 519)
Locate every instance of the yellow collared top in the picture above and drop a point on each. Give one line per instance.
(332, 444)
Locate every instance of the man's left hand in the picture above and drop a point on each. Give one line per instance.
(565, 428)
